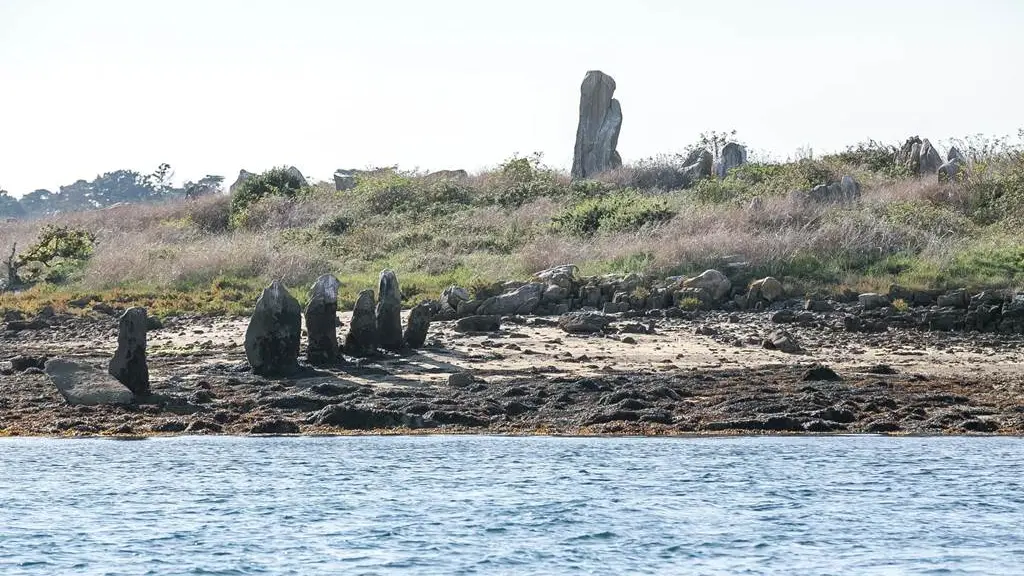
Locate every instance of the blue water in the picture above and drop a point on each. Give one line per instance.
(482, 505)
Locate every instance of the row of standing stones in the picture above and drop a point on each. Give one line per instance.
(583, 305)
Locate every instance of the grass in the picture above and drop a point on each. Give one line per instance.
(208, 257)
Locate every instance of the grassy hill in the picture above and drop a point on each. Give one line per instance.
(211, 255)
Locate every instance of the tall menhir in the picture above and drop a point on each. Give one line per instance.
(598, 131)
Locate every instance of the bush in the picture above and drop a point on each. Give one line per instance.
(873, 156)
(275, 182)
(622, 211)
(60, 250)
(520, 180)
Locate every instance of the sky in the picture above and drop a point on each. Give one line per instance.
(215, 86)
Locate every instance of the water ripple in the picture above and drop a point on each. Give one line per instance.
(480, 505)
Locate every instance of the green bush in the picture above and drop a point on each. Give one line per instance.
(621, 211)
(995, 190)
(275, 182)
(59, 250)
(874, 156)
(520, 180)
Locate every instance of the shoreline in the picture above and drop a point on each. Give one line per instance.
(707, 375)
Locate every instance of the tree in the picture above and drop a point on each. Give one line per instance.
(160, 181)
(37, 202)
(9, 206)
(207, 185)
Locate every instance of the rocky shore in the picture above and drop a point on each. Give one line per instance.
(751, 363)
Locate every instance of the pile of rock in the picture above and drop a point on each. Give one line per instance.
(920, 158)
(273, 337)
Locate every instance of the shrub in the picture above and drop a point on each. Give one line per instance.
(59, 250)
(520, 180)
(622, 211)
(874, 156)
(275, 182)
(900, 305)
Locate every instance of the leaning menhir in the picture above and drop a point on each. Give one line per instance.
(362, 330)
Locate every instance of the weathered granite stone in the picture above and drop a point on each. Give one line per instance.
(274, 333)
(322, 321)
(129, 362)
(418, 325)
(389, 312)
(597, 134)
(84, 385)
(362, 331)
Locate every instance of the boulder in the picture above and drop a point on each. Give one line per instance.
(128, 365)
(955, 154)
(345, 179)
(584, 322)
(243, 177)
(441, 175)
(478, 323)
(564, 276)
(389, 312)
(873, 301)
(418, 324)
(83, 385)
(361, 339)
(850, 188)
(716, 284)
(294, 172)
(274, 333)
(731, 156)
(322, 321)
(453, 295)
(930, 161)
(769, 289)
(597, 134)
(697, 166)
(522, 300)
(782, 341)
(909, 156)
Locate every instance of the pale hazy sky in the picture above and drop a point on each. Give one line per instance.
(215, 86)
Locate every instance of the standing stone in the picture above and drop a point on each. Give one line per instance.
(418, 324)
(322, 321)
(732, 156)
(930, 160)
(698, 165)
(850, 189)
(129, 362)
(597, 134)
(294, 173)
(274, 333)
(362, 331)
(909, 156)
(389, 312)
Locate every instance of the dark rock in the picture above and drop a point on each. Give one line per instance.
(460, 379)
(584, 322)
(360, 418)
(200, 425)
(454, 418)
(835, 414)
(418, 325)
(389, 312)
(322, 321)
(22, 363)
(478, 323)
(782, 341)
(361, 339)
(169, 426)
(129, 362)
(882, 427)
(819, 372)
(34, 324)
(597, 134)
(274, 333)
(274, 426)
